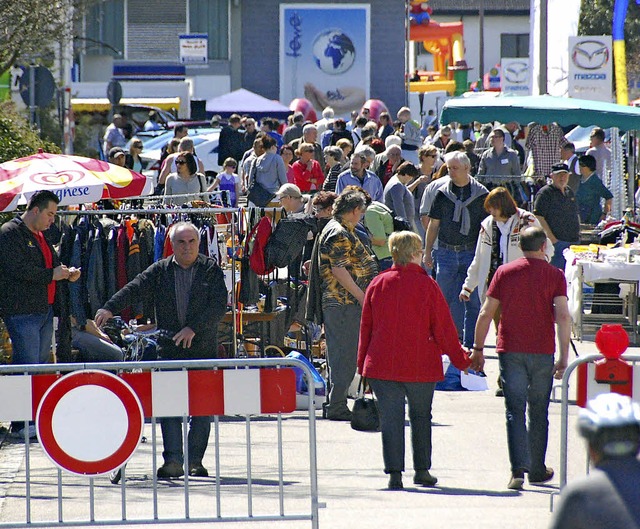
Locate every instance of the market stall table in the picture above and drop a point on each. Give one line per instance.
(613, 308)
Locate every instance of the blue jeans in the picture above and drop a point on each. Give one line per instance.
(558, 259)
(450, 275)
(94, 349)
(31, 336)
(526, 381)
(198, 438)
(391, 397)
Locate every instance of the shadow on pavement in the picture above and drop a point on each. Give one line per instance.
(454, 491)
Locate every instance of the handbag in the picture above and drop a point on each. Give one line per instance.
(364, 415)
(258, 194)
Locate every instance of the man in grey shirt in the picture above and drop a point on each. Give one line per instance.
(499, 160)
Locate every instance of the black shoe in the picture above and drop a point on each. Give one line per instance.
(423, 477)
(539, 480)
(170, 470)
(343, 414)
(517, 480)
(198, 471)
(115, 476)
(395, 481)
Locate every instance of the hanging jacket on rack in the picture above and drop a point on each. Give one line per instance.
(95, 277)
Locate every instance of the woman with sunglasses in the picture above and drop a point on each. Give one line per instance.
(134, 151)
(186, 180)
(428, 157)
(307, 173)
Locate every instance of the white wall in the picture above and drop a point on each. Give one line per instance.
(493, 27)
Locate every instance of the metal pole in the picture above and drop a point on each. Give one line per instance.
(544, 10)
(481, 35)
(32, 94)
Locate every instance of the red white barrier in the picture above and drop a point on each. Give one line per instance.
(172, 393)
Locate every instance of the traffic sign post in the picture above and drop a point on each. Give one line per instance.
(37, 87)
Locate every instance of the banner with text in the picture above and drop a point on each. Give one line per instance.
(325, 55)
(590, 68)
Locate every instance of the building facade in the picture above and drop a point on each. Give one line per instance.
(138, 43)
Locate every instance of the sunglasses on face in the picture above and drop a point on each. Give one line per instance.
(180, 162)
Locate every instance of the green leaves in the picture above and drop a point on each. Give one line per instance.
(17, 139)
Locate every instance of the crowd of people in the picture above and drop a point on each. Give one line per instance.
(406, 227)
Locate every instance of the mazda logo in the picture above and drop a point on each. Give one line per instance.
(516, 72)
(590, 54)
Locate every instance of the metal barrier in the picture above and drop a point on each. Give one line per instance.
(564, 408)
(91, 396)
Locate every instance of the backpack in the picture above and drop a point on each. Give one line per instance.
(288, 240)
(401, 224)
(255, 246)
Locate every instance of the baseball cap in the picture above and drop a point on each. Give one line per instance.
(559, 168)
(289, 190)
(114, 152)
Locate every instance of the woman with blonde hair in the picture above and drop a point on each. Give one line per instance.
(307, 173)
(403, 361)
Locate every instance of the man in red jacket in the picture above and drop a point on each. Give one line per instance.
(532, 295)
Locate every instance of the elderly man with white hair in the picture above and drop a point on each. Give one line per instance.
(189, 300)
(454, 222)
(310, 135)
(321, 124)
(387, 162)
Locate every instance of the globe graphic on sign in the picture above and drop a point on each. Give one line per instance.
(333, 52)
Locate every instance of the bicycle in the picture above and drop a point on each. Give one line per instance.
(139, 343)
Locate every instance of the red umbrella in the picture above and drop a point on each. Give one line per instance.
(75, 179)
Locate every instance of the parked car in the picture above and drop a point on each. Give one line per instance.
(206, 146)
(579, 136)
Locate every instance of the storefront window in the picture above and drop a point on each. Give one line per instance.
(211, 17)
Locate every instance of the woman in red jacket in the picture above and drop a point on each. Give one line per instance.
(405, 360)
(307, 173)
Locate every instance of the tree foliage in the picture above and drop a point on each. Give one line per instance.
(17, 138)
(29, 28)
(596, 18)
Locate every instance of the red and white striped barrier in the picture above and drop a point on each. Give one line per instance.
(171, 393)
(588, 388)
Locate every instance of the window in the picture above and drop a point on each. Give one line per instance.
(514, 45)
(105, 29)
(211, 17)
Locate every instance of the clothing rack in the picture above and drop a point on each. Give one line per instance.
(181, 211)
(183, 195)
(504, 180)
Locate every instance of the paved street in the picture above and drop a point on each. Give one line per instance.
(469, 459)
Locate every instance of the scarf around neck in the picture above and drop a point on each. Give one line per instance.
(461, 211)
